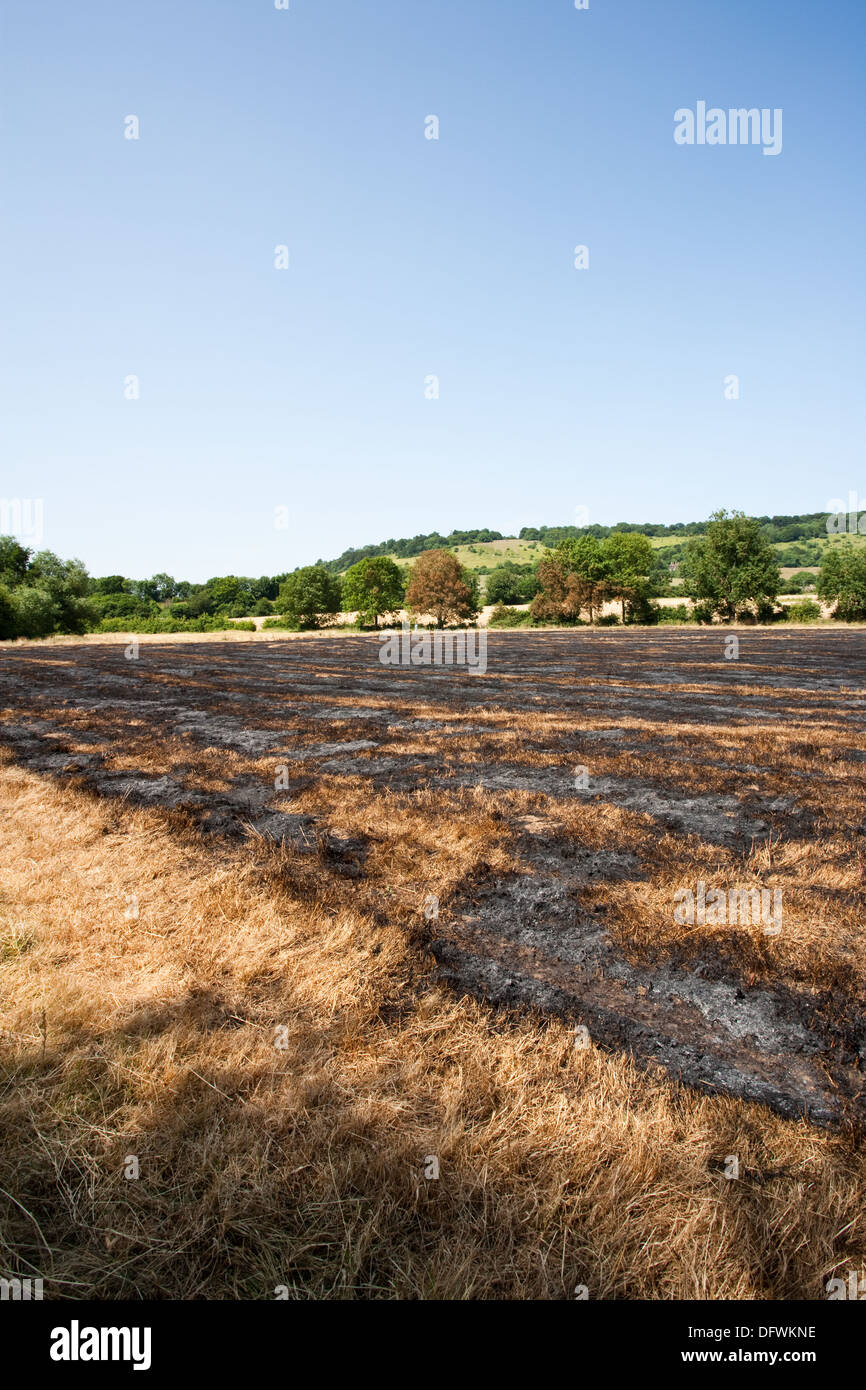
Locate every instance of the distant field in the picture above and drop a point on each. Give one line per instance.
(490, 553)
(285, 923)
(497, 552)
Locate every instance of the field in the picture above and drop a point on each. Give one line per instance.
(493, 553)
(489, 554)
(381, 976)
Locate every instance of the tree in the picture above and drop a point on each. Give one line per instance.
(14, 559)
(842, 582)
(630, 560)
(224, 592)
(732, 569)
(308, 595)
(65, 584)
(110, 584)
(35, 613)
(163, 586)
(265, 587)
(573, 579)
(510, 583)
(41, 594)
(120, 605)
(143, 588)
(8, 617)
(584, 555)
(800, 582)
(587, 565)
(373, 586)
(198, 602)
(440, 586)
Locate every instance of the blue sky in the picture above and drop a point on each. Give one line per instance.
(305, 389)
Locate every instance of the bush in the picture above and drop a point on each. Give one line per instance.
(807, 611)
(800, 582)
(284, 622)
(503, 616)
(640, 610)
(169, 624)
(678, 613)
(608, 620)
(767, 612)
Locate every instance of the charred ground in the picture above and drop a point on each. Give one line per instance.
(446, 802)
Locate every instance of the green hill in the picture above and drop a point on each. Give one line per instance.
(799, 542)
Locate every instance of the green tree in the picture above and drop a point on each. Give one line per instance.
(65, 584)
(164, 587)
(198, 603)
(511, 583)
(120, 605)
(439, 585)
(630, 560)
(372, 587)
(308, 595)
(584, 556)
(35, 612)
(224, 592)
(8, 616)
(573, 579)
(110, 584)
(842, 582)
(14, 560)
(731, 569)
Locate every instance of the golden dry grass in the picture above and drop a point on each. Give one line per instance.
(303, 1164)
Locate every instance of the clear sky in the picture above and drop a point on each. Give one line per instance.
(304, 388)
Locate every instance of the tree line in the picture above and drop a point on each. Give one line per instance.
(728, 569)
(774, 528)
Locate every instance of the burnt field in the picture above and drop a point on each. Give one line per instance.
(604, 772)
(457, 893)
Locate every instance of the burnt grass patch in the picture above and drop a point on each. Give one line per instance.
(375, 783)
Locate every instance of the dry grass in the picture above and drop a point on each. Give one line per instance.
(303, 1164)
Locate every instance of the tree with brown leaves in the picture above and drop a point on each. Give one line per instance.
(439, 585)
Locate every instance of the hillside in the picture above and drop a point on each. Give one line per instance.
(798, 541)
